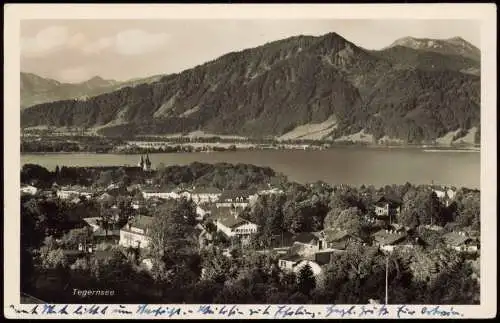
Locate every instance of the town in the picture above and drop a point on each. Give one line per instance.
(223, 233)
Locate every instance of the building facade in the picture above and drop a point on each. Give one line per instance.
(135, 233)
(29, 189)
(208, 195)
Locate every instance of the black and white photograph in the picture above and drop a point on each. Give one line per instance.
(251, 161)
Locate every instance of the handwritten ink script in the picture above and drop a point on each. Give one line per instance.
(235, 311)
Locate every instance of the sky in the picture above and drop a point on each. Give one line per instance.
(77, 50)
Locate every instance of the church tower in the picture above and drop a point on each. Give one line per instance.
(141, 162)
(147, 164)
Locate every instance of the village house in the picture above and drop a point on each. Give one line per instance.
(202, 212)
(112, 186)
(28, 189)
(112, 235)
(205, 238)
(93, 223)
(106, 198)
(461, 241)
(339, 239)
(294, 263)
(47, 193)
(445, 194)
(100, 233)
(70, 192)
(136, 204)
(387, 208)
(325, 257)
(159, 193)
(386, 239)
(228, 222)
(236, 199)
(205, 195)
(307, 243)
(389, 240)
(433, 227)
(267, 192)
(135, 233)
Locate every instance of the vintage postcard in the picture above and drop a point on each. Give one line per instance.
(250, 161)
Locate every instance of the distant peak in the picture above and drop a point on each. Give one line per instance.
(332, 34)
(98, 80)
(456, 38)
(459, 40)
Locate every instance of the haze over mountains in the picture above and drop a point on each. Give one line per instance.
(302, 87)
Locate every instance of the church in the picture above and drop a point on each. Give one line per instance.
(145, 163)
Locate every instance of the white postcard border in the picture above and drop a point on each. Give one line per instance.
(14, 13)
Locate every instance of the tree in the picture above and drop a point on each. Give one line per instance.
(74, 237)
(216, 267)
(469, 209)
(306, 280)
(105, 178)
(124, 205)
(349, 220)
(52, 258)
(33, 172)
(172, 239)
(409, 216)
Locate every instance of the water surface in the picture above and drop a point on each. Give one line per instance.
(353, 166)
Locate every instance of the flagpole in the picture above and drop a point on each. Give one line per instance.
(386, 279)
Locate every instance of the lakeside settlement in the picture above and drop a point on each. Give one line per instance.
(240, 233)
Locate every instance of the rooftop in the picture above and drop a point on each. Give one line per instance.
(338, 245)
(335, 235)
(456, 238)
(388, 238)
(297, 248)
(208, 190)
(106, 197)
(227, 217)
(292, 257)
(391, 199)
(307, 237)
(233, 194)
(92, 220)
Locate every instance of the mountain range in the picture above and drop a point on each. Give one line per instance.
(302, 87)
(36, 89)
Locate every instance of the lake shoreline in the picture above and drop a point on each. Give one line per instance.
(426, 148)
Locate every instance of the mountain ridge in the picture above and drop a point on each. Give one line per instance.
(36, 89)
(271, 89)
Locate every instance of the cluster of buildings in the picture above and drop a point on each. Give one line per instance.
(222, 210)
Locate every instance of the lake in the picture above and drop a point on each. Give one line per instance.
(352, 166)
